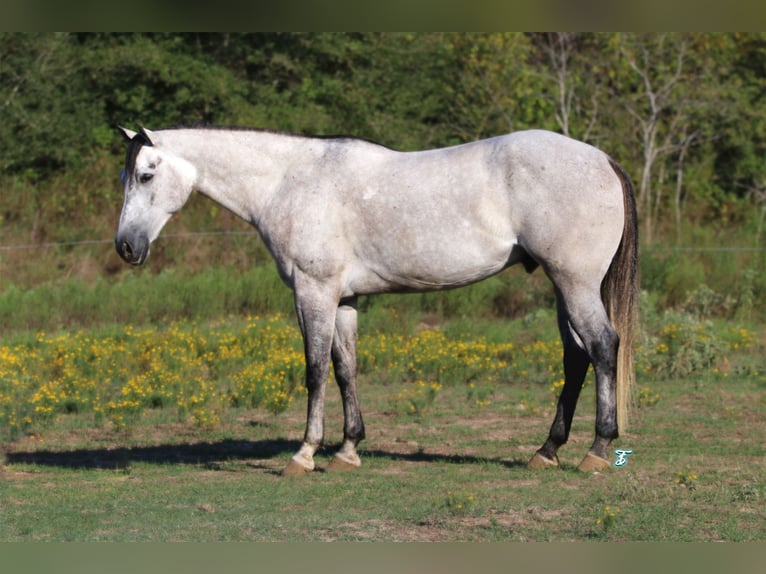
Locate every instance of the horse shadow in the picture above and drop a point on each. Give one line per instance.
(440, 458)
(214, 454)
(208, 454)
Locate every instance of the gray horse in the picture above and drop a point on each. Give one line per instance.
(345, 217)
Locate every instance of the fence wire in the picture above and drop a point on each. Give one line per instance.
(53, 244)
(192, 234)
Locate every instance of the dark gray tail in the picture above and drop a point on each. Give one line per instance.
(620, 293)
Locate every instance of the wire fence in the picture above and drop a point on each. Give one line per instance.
(195, 234)
(54, 244)
(702, 249)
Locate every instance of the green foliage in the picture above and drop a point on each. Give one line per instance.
(46, 110)
(498, 90)
(708, 280)
(116, 373)
(647, 398)
(119, 376)
(142, 299)
(686, 479)
(743, 142)
(608, 519)
(696, 474)
(459, 503)
(688, 339)
(61, 96)
(685, 346)
(416, 399)
(159, 79)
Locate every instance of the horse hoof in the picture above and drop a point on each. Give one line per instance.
(337, 464)
(295, 469)
(538, 462)
(593, 463)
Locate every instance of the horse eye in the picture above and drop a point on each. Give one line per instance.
(145, 177)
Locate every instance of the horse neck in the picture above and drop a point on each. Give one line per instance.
(240, 170)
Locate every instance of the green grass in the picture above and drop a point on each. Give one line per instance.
(451, 468)
(142, 298)
(455, 471)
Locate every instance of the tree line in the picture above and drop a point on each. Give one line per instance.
(684, 113)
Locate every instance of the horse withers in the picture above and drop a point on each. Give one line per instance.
(345, 217)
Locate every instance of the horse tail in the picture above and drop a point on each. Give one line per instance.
(620, 293)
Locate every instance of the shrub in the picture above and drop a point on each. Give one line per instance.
(683, 346)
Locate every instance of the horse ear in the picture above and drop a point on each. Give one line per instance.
(147, 135)
(126, 133)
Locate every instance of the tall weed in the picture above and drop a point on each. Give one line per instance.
(689, 338)
(684, 345)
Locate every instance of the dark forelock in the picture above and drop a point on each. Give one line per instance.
(135, 145)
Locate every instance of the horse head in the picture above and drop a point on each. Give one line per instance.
(156, 184)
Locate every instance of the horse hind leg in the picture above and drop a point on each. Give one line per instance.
(345, 366)
(589, 336)
(589, 319)
(576, 363)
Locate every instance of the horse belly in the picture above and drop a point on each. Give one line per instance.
(432, 257)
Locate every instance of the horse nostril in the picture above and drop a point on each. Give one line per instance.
(127, 251)
(124, 249)
(132, 249)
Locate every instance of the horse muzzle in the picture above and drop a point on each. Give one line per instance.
(134, 251)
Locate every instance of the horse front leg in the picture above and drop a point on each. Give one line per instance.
(345, 365)
(316, 317)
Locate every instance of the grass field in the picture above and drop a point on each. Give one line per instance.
(446, 449)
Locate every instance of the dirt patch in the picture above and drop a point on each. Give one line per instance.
(505, 524)
(16, 475)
